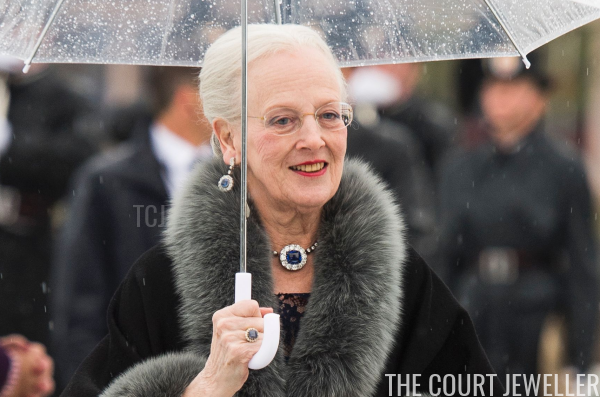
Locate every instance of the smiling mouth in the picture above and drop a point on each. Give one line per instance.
(316, 167)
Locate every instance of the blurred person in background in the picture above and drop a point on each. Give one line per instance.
(517, 230)
(25, 368)
(430, 122)
(128, 123)
(118, 211)
(42, 142)
(469, 78)
(394, 152)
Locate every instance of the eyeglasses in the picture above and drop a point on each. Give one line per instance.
(334, 116)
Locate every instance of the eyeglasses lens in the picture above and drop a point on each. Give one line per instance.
(330, 117)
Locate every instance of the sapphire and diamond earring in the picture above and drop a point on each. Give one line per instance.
(226, 182)
(293, 256)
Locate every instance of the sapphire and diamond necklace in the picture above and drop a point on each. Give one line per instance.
(293, 256)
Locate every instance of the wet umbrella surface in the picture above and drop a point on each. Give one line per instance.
(178, 32)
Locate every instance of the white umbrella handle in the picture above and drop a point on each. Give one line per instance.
(270, 343)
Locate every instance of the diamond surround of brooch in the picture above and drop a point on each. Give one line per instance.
(293, 257)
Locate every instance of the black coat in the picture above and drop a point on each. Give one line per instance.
(397, 157)
(431, 124)
(117, 212)
(375, 306)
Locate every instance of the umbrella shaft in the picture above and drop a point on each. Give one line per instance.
(277, 4)
(244, 161)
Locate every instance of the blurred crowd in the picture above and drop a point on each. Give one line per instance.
(500, 209)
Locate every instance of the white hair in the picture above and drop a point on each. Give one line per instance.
(220, 77)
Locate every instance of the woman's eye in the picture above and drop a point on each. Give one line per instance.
(280, 121)
(330, 116)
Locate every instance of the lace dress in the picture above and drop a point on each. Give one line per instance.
(291, 310)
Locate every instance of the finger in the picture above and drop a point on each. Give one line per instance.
(238, 350)
(258, 341)
(249, 349)
(14, 338)
(247, 308)
(43, 365)
(238, 336)
(238, 347)
(234, 323)
(14, 341)
(37, 347)
(43, 387)
(265, 310)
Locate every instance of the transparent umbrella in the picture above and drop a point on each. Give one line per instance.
(360, 32)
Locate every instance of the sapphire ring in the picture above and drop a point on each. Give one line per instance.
(251, 335)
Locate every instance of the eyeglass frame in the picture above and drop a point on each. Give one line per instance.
(264, 119)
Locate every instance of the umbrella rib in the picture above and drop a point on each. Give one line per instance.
(42, 35)
(508, 33)
(168, 28)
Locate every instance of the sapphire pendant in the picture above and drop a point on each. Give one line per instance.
(293, 257)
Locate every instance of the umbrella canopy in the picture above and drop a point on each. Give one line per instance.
(360, 32)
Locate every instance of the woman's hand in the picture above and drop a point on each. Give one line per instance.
(226, 369)
(35, 377)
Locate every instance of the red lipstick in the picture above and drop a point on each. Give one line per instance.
(311, 174)
(313, 162)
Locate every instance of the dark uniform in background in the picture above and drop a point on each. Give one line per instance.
(512, 218)
(518, 243)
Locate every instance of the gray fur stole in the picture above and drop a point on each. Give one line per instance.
(353, 314)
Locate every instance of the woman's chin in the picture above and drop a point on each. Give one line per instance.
(310, 198)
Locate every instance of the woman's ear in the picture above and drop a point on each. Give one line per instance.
(224, 133)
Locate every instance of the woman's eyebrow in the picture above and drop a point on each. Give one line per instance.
(291, 106)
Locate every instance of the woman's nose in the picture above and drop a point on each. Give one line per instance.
(310, 134)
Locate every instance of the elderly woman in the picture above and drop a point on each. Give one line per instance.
(359, 308)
